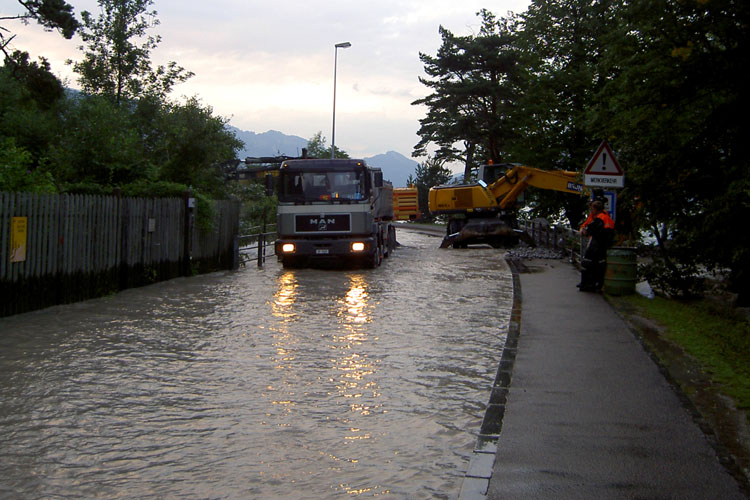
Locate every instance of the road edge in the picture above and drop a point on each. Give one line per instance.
(476, 480)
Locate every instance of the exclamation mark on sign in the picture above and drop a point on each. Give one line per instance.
(604, 161)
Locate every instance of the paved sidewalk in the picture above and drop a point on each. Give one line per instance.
(588, 415)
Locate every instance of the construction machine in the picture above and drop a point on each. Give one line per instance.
(484, 212)
(406, 203)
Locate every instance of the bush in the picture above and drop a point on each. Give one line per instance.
(674, 281)
(17, 173)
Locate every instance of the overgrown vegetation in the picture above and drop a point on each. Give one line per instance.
(657, 80)
(714, 335)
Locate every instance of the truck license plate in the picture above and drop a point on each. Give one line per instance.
(321, 251)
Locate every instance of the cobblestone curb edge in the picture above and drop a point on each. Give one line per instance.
(477, 478)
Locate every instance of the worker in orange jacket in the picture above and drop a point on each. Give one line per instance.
(600, 228)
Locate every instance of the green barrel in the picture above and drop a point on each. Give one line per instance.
(621, 275)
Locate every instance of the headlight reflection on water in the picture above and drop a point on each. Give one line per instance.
(285, 297)
(356, 368)
(340, 345)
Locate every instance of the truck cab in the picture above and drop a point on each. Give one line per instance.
(333, 210)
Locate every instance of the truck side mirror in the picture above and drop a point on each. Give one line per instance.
(379, 179)
(269, 184)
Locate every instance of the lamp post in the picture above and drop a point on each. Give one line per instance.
(342, 45)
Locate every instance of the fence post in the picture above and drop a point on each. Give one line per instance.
(187, 237)
(554, 238)
(236, 252)
(124, 212)
(261, 244)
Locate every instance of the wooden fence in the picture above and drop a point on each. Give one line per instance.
(57, 249)
(217, 248)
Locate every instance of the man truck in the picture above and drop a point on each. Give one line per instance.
(336, 211)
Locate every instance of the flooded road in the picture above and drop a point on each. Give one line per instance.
(259, 383)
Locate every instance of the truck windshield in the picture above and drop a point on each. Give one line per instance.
(323, 186)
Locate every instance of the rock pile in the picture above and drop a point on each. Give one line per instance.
(523, 252)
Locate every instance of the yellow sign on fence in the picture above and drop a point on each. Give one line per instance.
(18, 228)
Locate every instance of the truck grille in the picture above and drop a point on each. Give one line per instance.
(322, 223)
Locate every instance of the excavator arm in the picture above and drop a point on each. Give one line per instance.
(502, 193)
(506, 189)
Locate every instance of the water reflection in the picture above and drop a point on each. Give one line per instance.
(285, 342)
(285, 297)
(356, 302)
(353, 365)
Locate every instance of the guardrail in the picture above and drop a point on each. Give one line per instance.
(254, 246)
(562, 239)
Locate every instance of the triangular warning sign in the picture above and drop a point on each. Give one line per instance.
(603, 162)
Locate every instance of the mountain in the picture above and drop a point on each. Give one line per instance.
(396, 167)
(271, 143)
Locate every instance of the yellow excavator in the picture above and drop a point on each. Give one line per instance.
(483, 212)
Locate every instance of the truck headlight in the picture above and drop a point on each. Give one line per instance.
(358, 246)
(287, 248)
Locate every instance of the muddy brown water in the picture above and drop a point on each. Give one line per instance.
(259, 383)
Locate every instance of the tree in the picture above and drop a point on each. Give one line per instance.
(99, 147)
(316, 148)
(474, 83)
(560, 42)
(432, 172)
(31, 105)
(195, 142)
(43, 87)
(113, 64)
(679, 108)
(52, 14)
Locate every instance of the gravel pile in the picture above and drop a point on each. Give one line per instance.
(527, 253)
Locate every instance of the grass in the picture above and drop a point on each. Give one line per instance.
(715, 336)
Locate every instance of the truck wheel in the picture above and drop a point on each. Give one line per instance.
(391, 245)
(374, 259)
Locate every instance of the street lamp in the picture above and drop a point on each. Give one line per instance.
(342, 45)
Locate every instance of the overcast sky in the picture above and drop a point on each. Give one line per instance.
(268, 65)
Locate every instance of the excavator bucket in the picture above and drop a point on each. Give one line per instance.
(448, 240)
(493, 232)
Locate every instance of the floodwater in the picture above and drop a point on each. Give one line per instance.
(259, 383)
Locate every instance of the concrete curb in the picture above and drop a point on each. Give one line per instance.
(477, 478)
